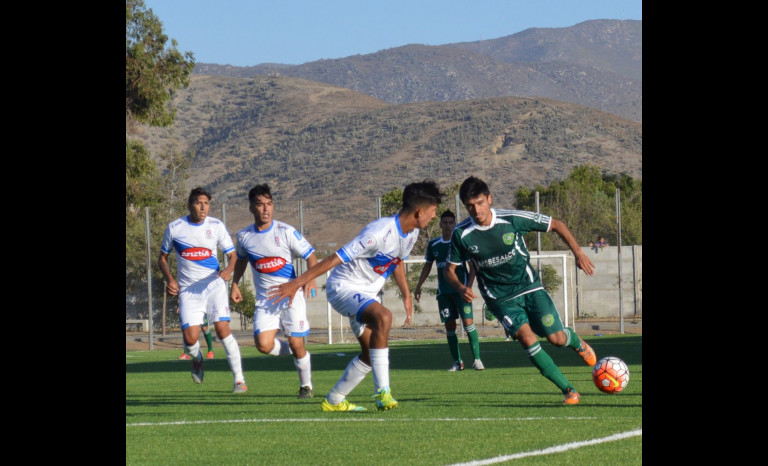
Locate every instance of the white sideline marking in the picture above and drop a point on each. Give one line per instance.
(366, 419)
(556, 449)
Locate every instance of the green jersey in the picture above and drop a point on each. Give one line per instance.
(502, 261)
(438, 250)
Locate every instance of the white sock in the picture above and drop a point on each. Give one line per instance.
(281, 348)
(380, 366)
(194, 350)
(233, 357)
(304, 366)
(354, 374)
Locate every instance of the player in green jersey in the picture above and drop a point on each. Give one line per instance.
(493, 240)
(450, 304)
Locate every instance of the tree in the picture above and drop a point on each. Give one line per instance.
(152, 74)
(585, 201)
(141, 177)
(152, 71)
(176, 172)
(247, 306)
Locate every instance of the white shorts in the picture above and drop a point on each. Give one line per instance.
(351, 303)
(207, 297)
(291, 320)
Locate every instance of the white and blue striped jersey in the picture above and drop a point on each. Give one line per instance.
(196, 247)
(270, 253)
(373, 255)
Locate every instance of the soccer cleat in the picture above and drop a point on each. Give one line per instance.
(587, 353)
(507, 339)
(457, 366)
(305, 392)
(185, 356)
(343, 406)
(478, 365)
(197, 370)
(240, 387)
(210, 355)
(384, 399)
(572, 397)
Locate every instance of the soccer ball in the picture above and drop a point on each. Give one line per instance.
(610, 375)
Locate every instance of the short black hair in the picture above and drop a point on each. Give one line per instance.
(471, 188)
(448, 213)
(197, 192)
(421, 193)
(259, 190)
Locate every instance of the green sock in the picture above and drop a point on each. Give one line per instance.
(547, 366)
(453, 344)
(474, 340)
(573, 340)
(209, 338)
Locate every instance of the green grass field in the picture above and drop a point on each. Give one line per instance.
(506, 413)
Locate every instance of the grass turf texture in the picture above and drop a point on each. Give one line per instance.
(508, 410)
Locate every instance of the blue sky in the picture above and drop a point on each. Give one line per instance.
(250, 32)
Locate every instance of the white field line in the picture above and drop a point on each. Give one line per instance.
(365, 419)
(555, 449)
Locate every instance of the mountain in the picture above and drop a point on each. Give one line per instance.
(595, 63)
(336, 151)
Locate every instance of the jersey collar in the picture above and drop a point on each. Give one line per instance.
(399, 230)
(190, 222)
(271, 224)
(482, 228)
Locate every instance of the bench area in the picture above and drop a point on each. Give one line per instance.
(142, 323)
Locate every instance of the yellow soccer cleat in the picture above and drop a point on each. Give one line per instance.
(343, 406)
(384, 399)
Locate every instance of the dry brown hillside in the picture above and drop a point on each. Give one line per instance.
(337, 150)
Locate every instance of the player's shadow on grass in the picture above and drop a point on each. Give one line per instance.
(500, 354)
(415, 356)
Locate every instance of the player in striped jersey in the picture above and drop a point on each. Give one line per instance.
(450, 304)
(360, 269)
(201, 285)
(493, 240)
(270, 245)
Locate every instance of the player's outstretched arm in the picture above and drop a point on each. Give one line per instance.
(289, 289)
(582, 260)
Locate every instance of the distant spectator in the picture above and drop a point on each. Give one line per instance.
(593, 247)
(601, 243)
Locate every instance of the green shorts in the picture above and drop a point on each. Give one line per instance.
(535, 309)
(452, 306)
